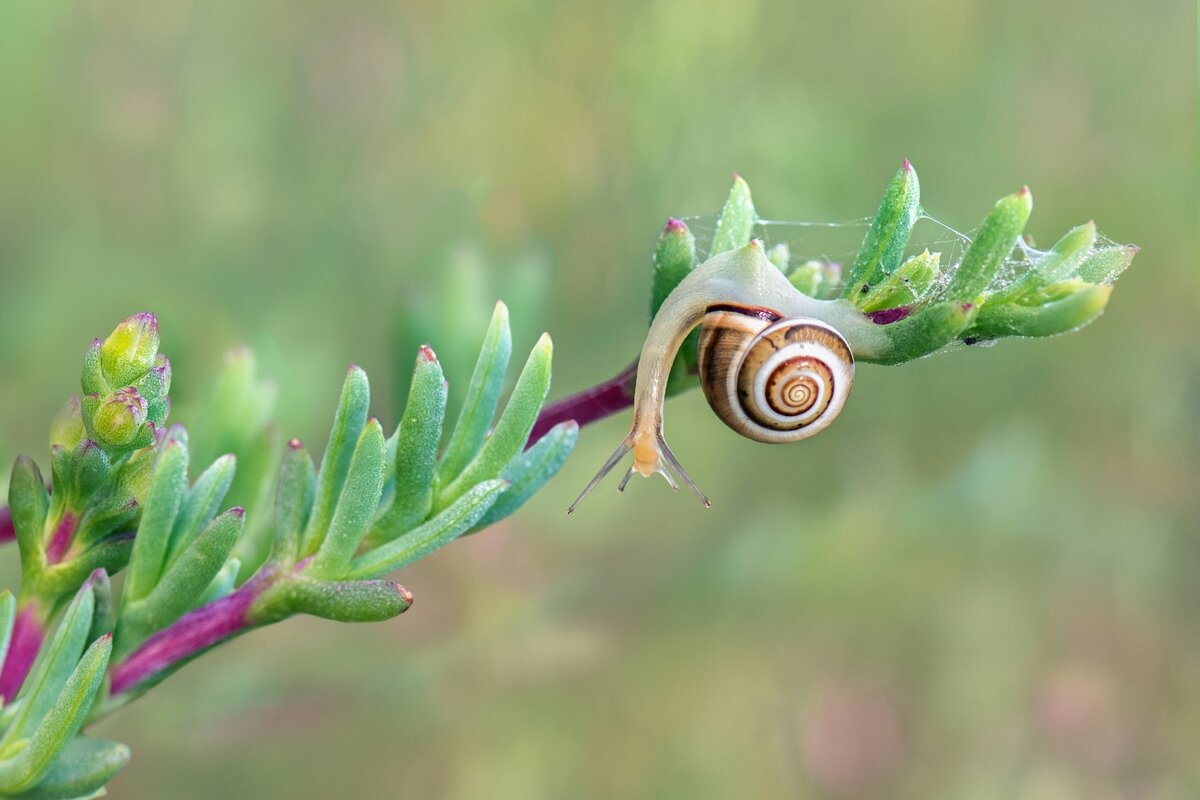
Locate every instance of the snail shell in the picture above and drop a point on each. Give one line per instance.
(773, 379)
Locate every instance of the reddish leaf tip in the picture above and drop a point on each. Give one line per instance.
(295, 444)
(426, 352)
(906, 166)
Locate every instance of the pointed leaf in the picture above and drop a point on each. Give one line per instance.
(512, 429)
(883, 246)
(356, 506)
(182, 584)
(528, 472)
(348, 424)
(29, 503)
(1078, 305)
(416, 451)
(201, 504)
(444, 528)
(293, 501)
(1105, 264)
(62, 721)
(8, 614)
(736, 223)
(52, 668)
(674, 258)
(344, 601)
(167, 489)
(479, 405)
(81, 770)
(991, 247)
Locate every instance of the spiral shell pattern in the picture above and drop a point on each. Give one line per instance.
(773, 379)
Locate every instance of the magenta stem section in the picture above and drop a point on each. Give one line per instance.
(27, 636)
(7, 533)
(60, 542)
(590, 405)
(191, 635)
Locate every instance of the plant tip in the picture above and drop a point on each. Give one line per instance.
(906, 166)
(295, 444)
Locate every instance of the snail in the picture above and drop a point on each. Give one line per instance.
(775, 364)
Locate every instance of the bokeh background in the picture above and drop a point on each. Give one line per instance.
(981, 582)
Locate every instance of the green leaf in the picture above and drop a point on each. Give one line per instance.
(1077, 303)
(110, 555)
(528, 472)
(254, 489)
(926, 331)
(293, 501)
(348, 424)
(62, 721)
(103, 615)
(222, 583)
(674, 258)
(167, 490)
(1105, 264)
(883, 246)
(906, 285)
(512, 430)
(991, 247)
(416, 451)
(356, 506)
(92, 468)
(52, 669)
(183, 582)
(92, 380)
(1055, 265)
(736, 223)
(29, 503)
(81, 770)
(201, 504)
(8, 614)
(479, 406)
(343, 601)
(444, 528)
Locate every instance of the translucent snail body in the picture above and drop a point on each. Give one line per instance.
(775, 364)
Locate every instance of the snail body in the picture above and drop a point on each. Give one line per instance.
(775, 364)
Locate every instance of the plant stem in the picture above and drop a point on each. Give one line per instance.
(588, 406)
(190, 635)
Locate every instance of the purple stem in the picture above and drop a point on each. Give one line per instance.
(589, 405)
(27, 636)
(60, 542)
(192, 634)
(7, 533)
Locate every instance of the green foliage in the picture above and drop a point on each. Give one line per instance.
(921, 305)
(201, 571)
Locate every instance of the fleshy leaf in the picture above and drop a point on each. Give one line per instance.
(479, 405)
(444, 528)
(736, 223)
(883, 246)
(348, 424)
(512, 430)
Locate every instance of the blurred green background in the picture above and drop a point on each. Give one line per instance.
(981, 582)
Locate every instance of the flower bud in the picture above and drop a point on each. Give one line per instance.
(129, 351)
(119, 418)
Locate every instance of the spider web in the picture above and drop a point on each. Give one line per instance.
(837, 243)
